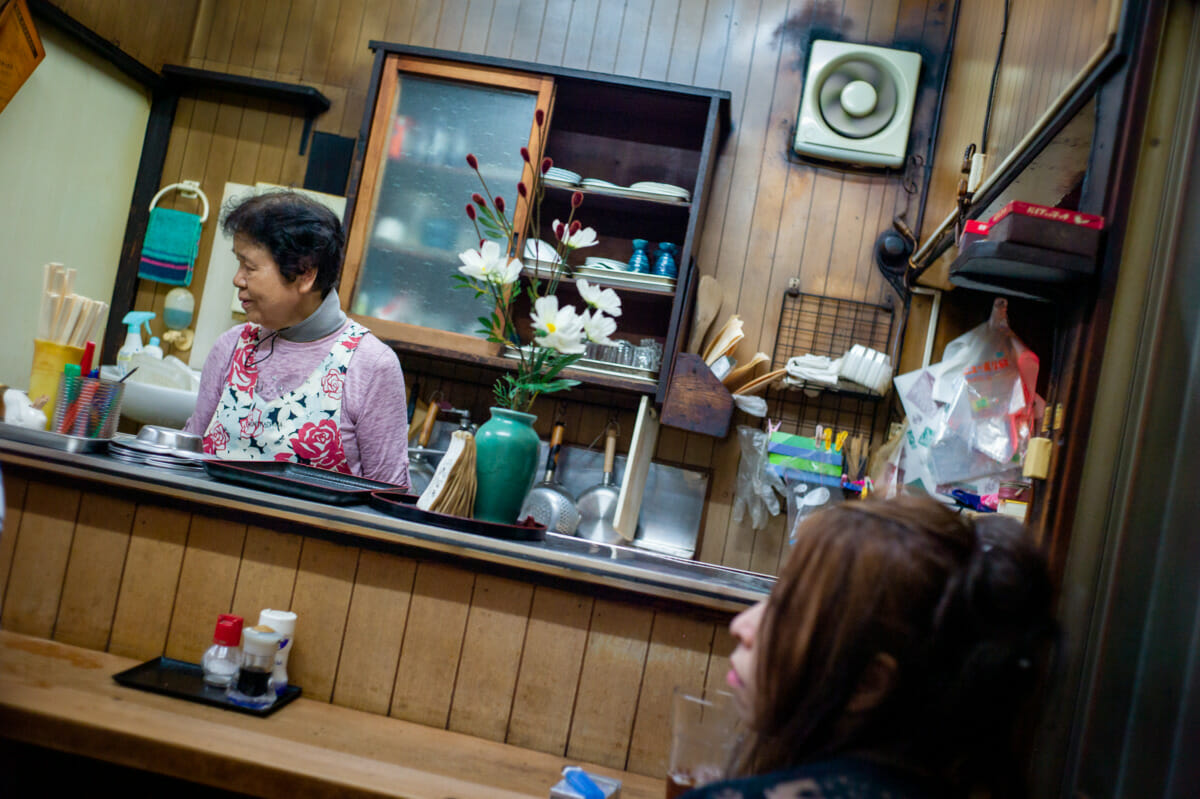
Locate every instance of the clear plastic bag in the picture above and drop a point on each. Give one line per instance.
(756, 484)
(973, 413)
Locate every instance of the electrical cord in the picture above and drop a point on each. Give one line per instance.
(987, 118)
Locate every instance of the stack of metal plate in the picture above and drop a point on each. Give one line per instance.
(129, 449)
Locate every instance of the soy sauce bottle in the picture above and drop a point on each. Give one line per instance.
(252, 688)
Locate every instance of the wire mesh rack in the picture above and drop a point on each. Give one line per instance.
(820, 325)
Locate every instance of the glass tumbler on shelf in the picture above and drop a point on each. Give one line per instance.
(639, 262)
(703, 736)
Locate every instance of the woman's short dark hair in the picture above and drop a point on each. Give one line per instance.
(301, 234)
(963, 606)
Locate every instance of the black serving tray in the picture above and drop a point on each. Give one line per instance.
(184, 680)
(402, 505)
(296, 480)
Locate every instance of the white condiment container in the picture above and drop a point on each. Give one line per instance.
(284, 623)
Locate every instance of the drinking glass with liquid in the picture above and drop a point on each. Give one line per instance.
(703, 735)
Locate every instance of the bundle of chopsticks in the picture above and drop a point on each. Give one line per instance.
(66, 317)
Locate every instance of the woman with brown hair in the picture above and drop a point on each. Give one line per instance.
(892, 658)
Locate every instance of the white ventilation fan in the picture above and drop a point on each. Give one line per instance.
(858, 103)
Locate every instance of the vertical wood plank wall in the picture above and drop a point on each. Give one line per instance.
(453, 647)
(770, 218)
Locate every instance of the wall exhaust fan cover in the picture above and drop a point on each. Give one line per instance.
(857, 105)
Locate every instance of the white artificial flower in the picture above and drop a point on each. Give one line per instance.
(559, 329)
(599, 298)
(490, 263)
(584, 237)
(598, 327)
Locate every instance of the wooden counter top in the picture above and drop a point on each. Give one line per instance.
(64, 697)
(640, 572)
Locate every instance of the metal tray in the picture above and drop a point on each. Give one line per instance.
(45, 438)
(296, 480)
(184, 680)
(402, 505)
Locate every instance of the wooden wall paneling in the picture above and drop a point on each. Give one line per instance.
(425, 22)
(374, 26)
(292, 49)
(746, 151)
(220, 38)
(723, 645)
(320, 41)
(502, 28)
(14, 507)
(329, 122)
(678, 656)
(548, 681)
(247, 150)
(149, 582)
(214, 167)
(246, 34)
(93, 577)
(207, 580)
(451, 25)
(606, 36)
(613, 665)
(355, 106)
(660, 41)
(528, 30)
(635, 25)
(269, 168)
(294, 164)
(714, 536)
(491, 657)
(577, 51)
(267, 575)
(276, 19)
(769, 542)
(433, 640)
(1035, 61)
(734, 78)
(401, 17)
(712, 45)
(874, 222)
(200, 32)
(672, 444)
(375, 628)
(685, 47)
(343, 53)
(552, 39)
(39, 559)
(321, 601)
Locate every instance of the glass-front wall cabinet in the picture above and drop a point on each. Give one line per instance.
(641, 153)
(403, 249)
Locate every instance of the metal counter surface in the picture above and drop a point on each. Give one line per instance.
(627, 568)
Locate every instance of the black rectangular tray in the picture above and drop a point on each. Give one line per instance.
(403, 505)
(184, 680)
(296, 480)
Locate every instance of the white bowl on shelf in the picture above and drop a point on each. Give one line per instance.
(150, 404)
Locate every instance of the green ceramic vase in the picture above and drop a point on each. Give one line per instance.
(506, 453)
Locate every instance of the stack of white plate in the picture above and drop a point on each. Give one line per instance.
(597, 183)
(556, 175)
(664, 189)
(129, 449)
(605, 263)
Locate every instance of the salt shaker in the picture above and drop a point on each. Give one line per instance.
(221, 661)
(252, 688)
(284, 623)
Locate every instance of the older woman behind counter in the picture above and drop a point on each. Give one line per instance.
(299, 381)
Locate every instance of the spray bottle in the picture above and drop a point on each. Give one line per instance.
(133, 322)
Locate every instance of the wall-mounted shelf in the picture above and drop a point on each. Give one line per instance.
(312, 101)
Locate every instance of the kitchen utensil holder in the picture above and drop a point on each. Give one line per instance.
(87, 406)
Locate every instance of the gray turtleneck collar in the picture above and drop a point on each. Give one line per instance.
(327, 319)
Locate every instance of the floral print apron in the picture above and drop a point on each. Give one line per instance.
(300, 426)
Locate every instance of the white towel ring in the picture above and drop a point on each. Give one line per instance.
(188, 188)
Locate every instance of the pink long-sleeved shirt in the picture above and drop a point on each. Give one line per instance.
(374, 419)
